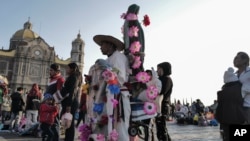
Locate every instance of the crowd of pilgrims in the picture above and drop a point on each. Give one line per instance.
(125, 95)
(184, 113)
(196, 113)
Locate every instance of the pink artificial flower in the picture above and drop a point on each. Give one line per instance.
(152, 92)
(93, 120)
(137, 62)
(112, 118)
(142, 77)
(135, 47)
(85, 131)
(108, 75)
(131, 16)
(115, 102)
(113, 135)
(133, 31)
(100, 137)
(149, 108)
(123, 16)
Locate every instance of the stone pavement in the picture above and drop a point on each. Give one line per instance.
(193, 132)
(177, 133)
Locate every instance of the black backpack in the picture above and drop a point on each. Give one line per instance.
(230, 104)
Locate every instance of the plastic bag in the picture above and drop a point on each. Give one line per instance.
(66, 120)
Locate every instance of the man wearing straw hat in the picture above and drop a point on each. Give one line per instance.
(112, 47)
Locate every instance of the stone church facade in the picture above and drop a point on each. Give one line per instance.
(29, 57)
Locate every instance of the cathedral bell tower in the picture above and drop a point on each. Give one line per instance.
(77, 52)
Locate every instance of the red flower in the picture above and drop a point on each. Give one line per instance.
(114, 81)
(146, 20)
(103, 121)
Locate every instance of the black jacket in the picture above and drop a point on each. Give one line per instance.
(71, 87)
(17, 102)
(230, 104)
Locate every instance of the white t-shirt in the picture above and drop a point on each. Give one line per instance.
(245, 80)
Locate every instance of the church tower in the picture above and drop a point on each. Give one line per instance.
(77, 52)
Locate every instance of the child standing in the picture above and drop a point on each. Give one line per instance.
(48, 112)
(6, 107)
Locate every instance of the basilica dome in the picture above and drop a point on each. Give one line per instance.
(26, 33)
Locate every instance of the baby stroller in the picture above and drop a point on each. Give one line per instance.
(137, 125)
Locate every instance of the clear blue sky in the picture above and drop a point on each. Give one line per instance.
(198, 37)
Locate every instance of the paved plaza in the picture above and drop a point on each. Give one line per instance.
(193, 132)
(177, 133)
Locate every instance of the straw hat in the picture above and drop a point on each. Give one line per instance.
(107, 38)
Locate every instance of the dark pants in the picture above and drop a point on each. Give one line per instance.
(5, 116)
(55, 130)
(80, 118)
(226, 135)
(70, 132)
(46, 131)
(165, 108)
(162, 132)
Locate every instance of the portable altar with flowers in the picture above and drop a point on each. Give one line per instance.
(143, 93)
(142, 101)
(102, 116)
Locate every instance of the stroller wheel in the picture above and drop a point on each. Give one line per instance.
(132, 131)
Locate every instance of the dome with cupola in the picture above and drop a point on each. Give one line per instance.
(26, 33)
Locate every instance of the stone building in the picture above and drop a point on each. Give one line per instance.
(28, 59)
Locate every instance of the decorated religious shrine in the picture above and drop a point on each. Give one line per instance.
(105, 90)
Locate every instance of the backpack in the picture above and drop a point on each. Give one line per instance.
(230, 104)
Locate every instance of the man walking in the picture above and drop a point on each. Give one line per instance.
(17, 107)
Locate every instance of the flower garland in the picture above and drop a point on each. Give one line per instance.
(85, 131)
(115, 102)
(100, 137)
(142, 77)
(98, 107)
(137, 62)
(103, 121)
(113, 136)
(135, 37)
(149, 108)
(133, 31)
(111, 78)
(152, 92)
(134, 41)
(135, 47)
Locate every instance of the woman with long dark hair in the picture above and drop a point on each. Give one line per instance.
(70, 92)
(32, 103)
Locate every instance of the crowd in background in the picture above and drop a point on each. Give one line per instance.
(196, 113)
(44, 114)
(20, 106)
